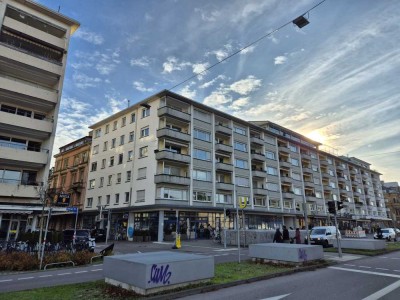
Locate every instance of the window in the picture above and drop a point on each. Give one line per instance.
(89, 202)
(330, 172)
(131, 136)
(142, 173)
(130, 155)
(272, 171)
(201, 175)
(120, 158)
(270, 155)
(240, 146)
(97, 133)
(201, 115)
(128, 175)
(318, 195)
(287, 204)
(107, 128)
(108, 199)
(93, 167)
(202, 135)
(99, 200)
(123, 122)
(334, 197)
(103, 163)
(144, 132)
(222, 198)
(95, 150)
(171, 170)
(269, 139)
(145, 112)
(116, 199)
(122, 139)
(126, 197)
(113, 143)
(240, 163)
(202, 196)
(329, 161)
(202, 154)
(109, 180)
(143, 152)
(101, 182)
(332, 185)
(292, 147)
(272, 187)
(92, 183)
(133, 117)
(259, 201)
(168, 193)
(239, 130)
(313, 155)
(242, 181)
(140, 196)
(296, 176)
(316, 180)
(119, 178)
(274, 203)
(314, 168)
(115, 125)
(105, 146)
(347, 188)
(295, 162)
(111, 161)
(297, 191)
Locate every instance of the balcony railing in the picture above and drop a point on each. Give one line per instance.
(162, 132)
(18, 182)
(223, 147)
(224, 167)
(172, 179)
(173, 156)
(22, 147)
(223, 129)
(172, 112)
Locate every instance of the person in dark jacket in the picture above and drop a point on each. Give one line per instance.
(278, 236)
(286, 238)
(297, 236)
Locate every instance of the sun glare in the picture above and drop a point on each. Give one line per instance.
(316, 136)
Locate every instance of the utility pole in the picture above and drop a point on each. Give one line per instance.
(42, 192)
(306, 221)
(44, 239)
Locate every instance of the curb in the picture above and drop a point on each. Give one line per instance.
(214, 287)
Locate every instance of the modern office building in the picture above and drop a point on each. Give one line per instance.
(33, 51)
(169, 160)
(69, 178)
(391, 193)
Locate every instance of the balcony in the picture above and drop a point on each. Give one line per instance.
(327, 188)
(357, 194)
(260, 191)
(224, 167)
(358, 203)
(171, 179)
(16, 153)
(311, 198)
(174, 113)
(18, 190)
(224, 186)
(285, 164)
(287, 195)
(170, 133)
(339, 167)
(223, 129)
(77, 186)
(172, 156)
(286, 179)
(259, 173)
(284, 149)
(256, 140)
(309, 184)
(323, 162)
(305, 156)
(307, 170)
(325, 175)
(353, 172)
(223, 148)
(257, 156)
(341, 179)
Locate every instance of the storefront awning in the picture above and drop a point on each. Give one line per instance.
(12, 211)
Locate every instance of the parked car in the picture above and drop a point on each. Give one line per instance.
(99, 235)
(83, 238)
(387, 233)
(323, 235)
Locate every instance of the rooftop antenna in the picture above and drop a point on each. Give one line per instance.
(59, 7)
(129, 102)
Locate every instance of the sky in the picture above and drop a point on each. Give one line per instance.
(336, 80)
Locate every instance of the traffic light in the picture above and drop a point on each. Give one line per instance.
(340, 205)
(331, 207)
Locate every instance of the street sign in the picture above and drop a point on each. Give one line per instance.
(62, 199)
(242, 202)
(72, 209)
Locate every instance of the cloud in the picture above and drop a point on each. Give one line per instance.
(91, 37)
(140, 87)
(240, 103)
(248, 50)
(211, 82)
(246, 86)
(211, 16)
(140, 62)
(222, 53)
(279, 60)
(83, 81)
(81, 65)
(173, 64)
(103, 62)
(187, 92)
(217, 99)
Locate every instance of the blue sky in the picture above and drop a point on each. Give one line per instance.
(335, 80)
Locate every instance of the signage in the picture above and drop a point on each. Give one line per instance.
(242, 202)
(62, 199)
(72, 209)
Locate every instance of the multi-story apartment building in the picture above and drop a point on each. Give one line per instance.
(69, 177)
(33, 51)
(391, 193)
(170, 160)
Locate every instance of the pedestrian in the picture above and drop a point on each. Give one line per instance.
(286, 238)
(278, 236)
(297, 236)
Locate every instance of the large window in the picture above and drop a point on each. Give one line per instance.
(123, 122)
(105, 146)
(272, 171)
(272, 187)
(174, 194)
(130, 155)
(240, 163)
(113, 143)
(97, 133)
(111, 161)
(202, 135)
(239, 130)
(223, 198)
(295, 162)
(142, 173)
(202, 196)
(242, 181)
(140, 196)
(240, 146)
(296, 176)
(95, 149)
(270, 155)
(201, 175)
(297, 191)
(202, 154)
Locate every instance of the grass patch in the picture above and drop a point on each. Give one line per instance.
(390, 247)
(224, 273)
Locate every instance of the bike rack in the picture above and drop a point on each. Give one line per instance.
(59, 263)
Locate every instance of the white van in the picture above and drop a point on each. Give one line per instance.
(323, 235)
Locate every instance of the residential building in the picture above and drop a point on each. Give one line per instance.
(391, 193)
(33, 51)
(170, 161)
(69, 176)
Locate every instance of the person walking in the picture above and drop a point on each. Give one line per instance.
(297, 236)
(286, 238)
(278, 236)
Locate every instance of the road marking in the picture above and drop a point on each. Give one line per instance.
(42, 276)
(349, 265)
(78, 272)
(25, 278)
(6, 280)
(365, 267)
(383, 257)
(230, 249)
(96, 270)
(382, 269)
(379, 294)
(365, 272)
(396, 270)
(276, 297)
(61, 274)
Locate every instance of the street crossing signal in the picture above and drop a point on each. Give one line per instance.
(340, 205)
(331, 207)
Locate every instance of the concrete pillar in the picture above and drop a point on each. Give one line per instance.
(34, 222)
(131, 226)
(2, 11)
(1, 217)
(160, 226)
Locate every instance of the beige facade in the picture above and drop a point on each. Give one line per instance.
(33, 46)
(170, 159)
(391, 192)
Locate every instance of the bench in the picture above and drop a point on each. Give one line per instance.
(297, 253)
(147, 273)
(367, 244)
